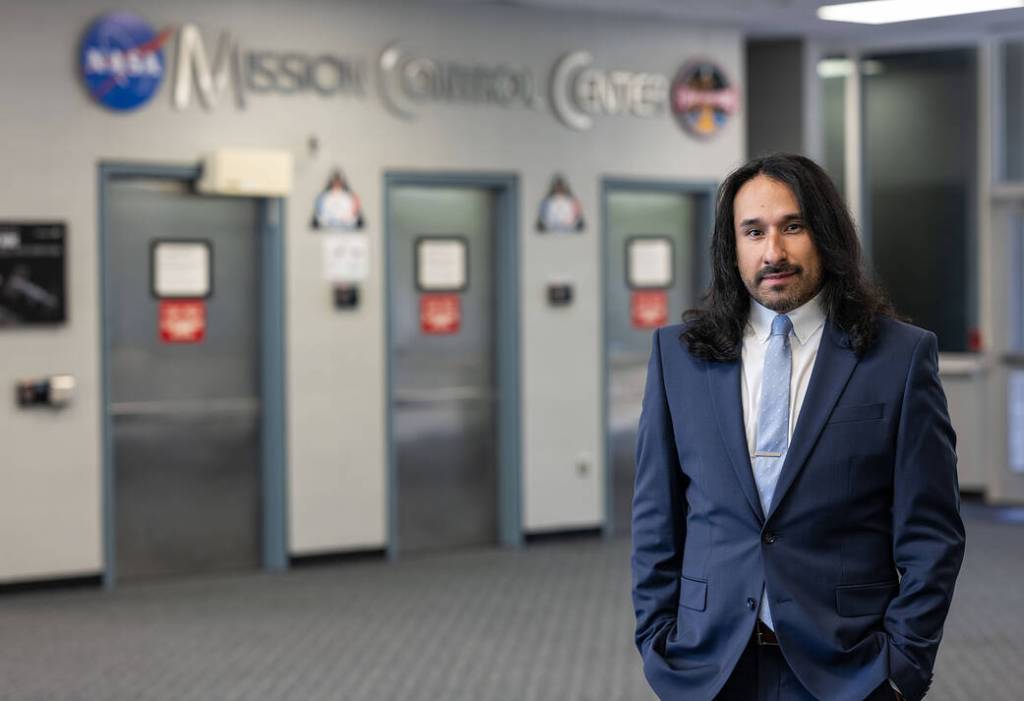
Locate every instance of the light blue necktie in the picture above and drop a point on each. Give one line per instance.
(772, 438)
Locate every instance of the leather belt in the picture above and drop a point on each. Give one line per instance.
(763, 635)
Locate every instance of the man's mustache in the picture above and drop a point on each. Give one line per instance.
(777, 270)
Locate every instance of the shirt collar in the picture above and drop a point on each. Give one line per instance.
(806, 319)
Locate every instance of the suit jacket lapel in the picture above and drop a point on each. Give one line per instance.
(832, 368)
(724, 388)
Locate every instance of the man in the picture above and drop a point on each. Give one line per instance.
(796, 527)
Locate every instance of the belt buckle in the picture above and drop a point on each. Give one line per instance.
(763, 639)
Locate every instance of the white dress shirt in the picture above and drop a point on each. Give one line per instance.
(808, 321)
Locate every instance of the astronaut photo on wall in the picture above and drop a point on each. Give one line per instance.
(338, 207)
(560, 210)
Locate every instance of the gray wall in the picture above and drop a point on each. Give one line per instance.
(55, 137)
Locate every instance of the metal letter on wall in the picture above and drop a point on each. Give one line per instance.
(210, 83)
(391, 64)
(562, 90)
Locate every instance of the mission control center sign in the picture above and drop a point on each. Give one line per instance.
(123, 66)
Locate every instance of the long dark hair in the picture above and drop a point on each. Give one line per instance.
(851, 300)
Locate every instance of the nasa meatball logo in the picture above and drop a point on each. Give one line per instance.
(702, 98)
(123, 60)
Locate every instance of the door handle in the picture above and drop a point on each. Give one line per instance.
(236, 406)
(412, 397)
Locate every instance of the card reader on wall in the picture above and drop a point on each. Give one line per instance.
(559, 294)
(247, 172)
(54, 391)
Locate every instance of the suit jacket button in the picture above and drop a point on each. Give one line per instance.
(751, 604)
(769, 538)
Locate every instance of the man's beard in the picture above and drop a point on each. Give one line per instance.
(796, 295)
(782, 305)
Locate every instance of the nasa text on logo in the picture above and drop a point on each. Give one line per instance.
(123, 60)
(702, 98)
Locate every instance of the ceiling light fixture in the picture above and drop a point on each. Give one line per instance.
(844, 67)
(888, 11)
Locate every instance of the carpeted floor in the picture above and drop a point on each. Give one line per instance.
(551, 622)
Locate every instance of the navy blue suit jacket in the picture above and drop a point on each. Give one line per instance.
(860, 549)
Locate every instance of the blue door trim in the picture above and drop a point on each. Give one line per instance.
(705, 192)
(273, 469)
(506, 186)
(275, 455)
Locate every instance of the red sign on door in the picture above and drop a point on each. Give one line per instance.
(440, 313)
(182, 320)
(649, 309)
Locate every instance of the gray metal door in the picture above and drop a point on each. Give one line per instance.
(631, 215)
(443, 389)
(185, 418)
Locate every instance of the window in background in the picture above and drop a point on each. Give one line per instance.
(1015, 308)
(920, 175)
(833, 73)
(1010, 159)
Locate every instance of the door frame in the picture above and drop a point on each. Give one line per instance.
(705, 191)
(272, 361)
(506, 270)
